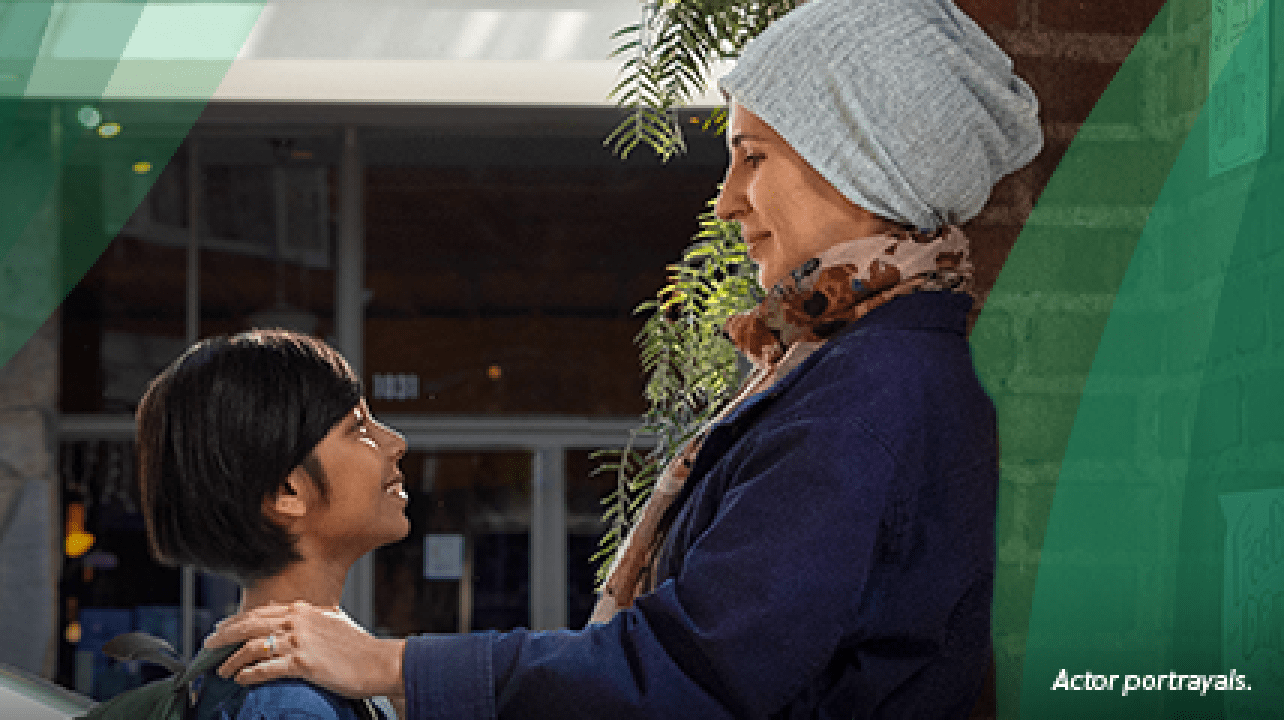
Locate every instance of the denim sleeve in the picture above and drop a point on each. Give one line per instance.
(766, 590)
(450, 676)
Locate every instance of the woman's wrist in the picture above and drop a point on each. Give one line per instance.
(390, 678)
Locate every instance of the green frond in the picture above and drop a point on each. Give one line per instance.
(605, 553)
(612, 534)
(690, 368)
(604, 452)
(626, 30)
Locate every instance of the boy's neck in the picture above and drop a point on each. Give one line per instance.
(314, 583)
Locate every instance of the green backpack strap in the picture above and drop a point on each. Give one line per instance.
(167, 699)
(206, 659)
(144, 647)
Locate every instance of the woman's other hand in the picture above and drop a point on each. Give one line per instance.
(321, 645)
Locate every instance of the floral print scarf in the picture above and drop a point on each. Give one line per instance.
(816, 300)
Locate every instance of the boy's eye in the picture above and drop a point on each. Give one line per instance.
(754, 160)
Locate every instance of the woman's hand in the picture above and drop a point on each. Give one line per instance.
(322, 646)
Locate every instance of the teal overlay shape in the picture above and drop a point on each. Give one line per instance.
(1035, 340)
(1144, 419)
(144, 70)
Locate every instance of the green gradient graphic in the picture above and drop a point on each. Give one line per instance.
(1035, 340)
(1136, 360)
(145, 69)
(1133, 342)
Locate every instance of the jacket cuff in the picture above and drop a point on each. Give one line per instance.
(450, 677)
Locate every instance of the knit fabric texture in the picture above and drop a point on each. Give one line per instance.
(906, 107)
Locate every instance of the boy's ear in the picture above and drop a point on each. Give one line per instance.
(289, 501)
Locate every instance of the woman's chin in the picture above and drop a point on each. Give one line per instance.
(766, 277)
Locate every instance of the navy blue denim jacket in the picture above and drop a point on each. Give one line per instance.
(286, 699)
(834, 559)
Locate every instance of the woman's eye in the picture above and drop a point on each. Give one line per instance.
(754, 160)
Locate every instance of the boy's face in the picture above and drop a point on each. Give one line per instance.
(365, 506)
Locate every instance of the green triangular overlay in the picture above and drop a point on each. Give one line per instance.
(1133, 345)
(94, 99)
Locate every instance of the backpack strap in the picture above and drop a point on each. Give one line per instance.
(207, 659)
(168, 699)
(144, 647)
(149, 648)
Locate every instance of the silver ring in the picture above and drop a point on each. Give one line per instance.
(270, 645)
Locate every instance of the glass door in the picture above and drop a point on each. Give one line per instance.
(466, 563)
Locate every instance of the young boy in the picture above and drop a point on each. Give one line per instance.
(259, 459)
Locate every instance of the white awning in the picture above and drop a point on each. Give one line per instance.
(544, 52)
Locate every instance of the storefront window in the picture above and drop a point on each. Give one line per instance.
(268, 221)
(503, 269)
(465, 564)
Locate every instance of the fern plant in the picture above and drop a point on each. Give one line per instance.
(670, 54)
(692, 367)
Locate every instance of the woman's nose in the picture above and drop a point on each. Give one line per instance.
(730, 204)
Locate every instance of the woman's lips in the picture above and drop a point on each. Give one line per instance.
(755, 238)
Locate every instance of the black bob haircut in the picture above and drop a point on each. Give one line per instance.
(219, 430)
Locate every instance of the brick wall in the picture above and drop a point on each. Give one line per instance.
(1149, 437)
(1037, 339)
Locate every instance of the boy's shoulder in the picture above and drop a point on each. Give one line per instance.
(286, 699)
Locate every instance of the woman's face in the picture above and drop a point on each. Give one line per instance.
(788, 213)
(365, 505)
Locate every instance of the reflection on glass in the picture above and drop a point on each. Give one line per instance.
(503, 270)
(113, 585)
(266, 230)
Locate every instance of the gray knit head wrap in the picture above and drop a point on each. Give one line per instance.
(906, 107)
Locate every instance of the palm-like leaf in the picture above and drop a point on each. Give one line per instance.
(671, 52)
(691, 367)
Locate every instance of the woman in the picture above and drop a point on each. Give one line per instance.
(826, 547)
(260, 460)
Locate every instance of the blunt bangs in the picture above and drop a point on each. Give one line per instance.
(219, 430)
